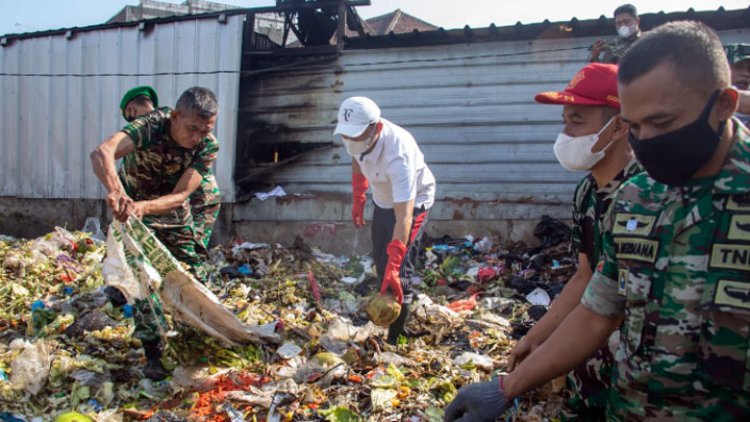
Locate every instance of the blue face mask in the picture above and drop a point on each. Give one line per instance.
(672, 158)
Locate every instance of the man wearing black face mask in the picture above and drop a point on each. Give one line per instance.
(676, 250)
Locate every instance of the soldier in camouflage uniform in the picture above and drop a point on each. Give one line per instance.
(627, 24)
(738, 56)
(591, 113)
(675, 252)
(166, 156)
(205, 202)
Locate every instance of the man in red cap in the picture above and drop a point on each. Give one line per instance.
(386, 157)
(593, 139)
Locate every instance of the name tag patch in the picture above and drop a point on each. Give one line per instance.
(738, 203)
(636, 249)
(735, 294)
(729, 256)
(739, 227)
(633, 224)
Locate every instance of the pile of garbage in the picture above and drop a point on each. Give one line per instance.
(65, 347)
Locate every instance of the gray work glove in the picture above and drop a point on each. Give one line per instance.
(479, 402)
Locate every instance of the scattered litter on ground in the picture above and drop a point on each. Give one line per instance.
(278, 191)
(66, 344)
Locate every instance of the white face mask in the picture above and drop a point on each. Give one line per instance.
(625, 31)
(574, 153)
(357, 148)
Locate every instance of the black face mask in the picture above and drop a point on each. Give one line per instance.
(672, 158)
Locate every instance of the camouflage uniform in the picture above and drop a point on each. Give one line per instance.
(614, 54)
(738, 53)
(676, 264)
(588, 384)
(152, 170)
(205, 203)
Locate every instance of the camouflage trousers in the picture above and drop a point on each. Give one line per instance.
(179, 237)
(205, 203)
(588, 387)
(149, 319)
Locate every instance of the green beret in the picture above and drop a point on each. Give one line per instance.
(737, 52)
(136, 92)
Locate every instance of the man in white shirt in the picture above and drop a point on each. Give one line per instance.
(386, 157)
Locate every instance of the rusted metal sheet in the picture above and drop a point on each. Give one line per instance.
(469, 106)
(62, 93)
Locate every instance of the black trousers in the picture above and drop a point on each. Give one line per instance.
(383, 223)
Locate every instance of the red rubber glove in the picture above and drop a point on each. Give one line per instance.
(391, 279)
(359, 188)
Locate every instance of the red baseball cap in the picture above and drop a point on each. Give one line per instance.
(594, 85)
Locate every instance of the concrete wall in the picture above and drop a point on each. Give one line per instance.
(29, 218)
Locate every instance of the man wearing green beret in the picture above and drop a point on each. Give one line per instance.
(738, 56)
(167, 155)
(138, 101)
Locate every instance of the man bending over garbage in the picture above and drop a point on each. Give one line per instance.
(167, 153)
(386, 157)
(594, 139)
(673, 272)
(205, 202)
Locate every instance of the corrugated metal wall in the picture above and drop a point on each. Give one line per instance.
(50, 124)
(470, 107)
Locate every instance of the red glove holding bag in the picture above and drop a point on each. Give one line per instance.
(391, 278)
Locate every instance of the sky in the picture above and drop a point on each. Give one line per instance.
(38, 15)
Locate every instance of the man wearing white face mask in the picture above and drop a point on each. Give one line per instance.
(387, 158)
(594, 139)
(627, 24)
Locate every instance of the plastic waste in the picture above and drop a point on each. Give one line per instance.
(486, 274)
(73, 417)
(288, 350)
(539, 297)
(245, 269)
(237, 250)
(154, 270)
(464, 304)
(127, 311)
(29, 371)
(94, 227)
(551, 232)
(474, 359)
(483, 246)
(341, 332)
(323, 364)
(233, 414)
(536, 312)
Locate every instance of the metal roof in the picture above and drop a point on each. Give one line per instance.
(168, 19)
(719, 20)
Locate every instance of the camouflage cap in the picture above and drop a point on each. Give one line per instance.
(136, 92)
(737, 52)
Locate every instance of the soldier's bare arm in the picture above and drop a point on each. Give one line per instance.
(561, 307)
(188, 183)
(582, 333)
(103, 163)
